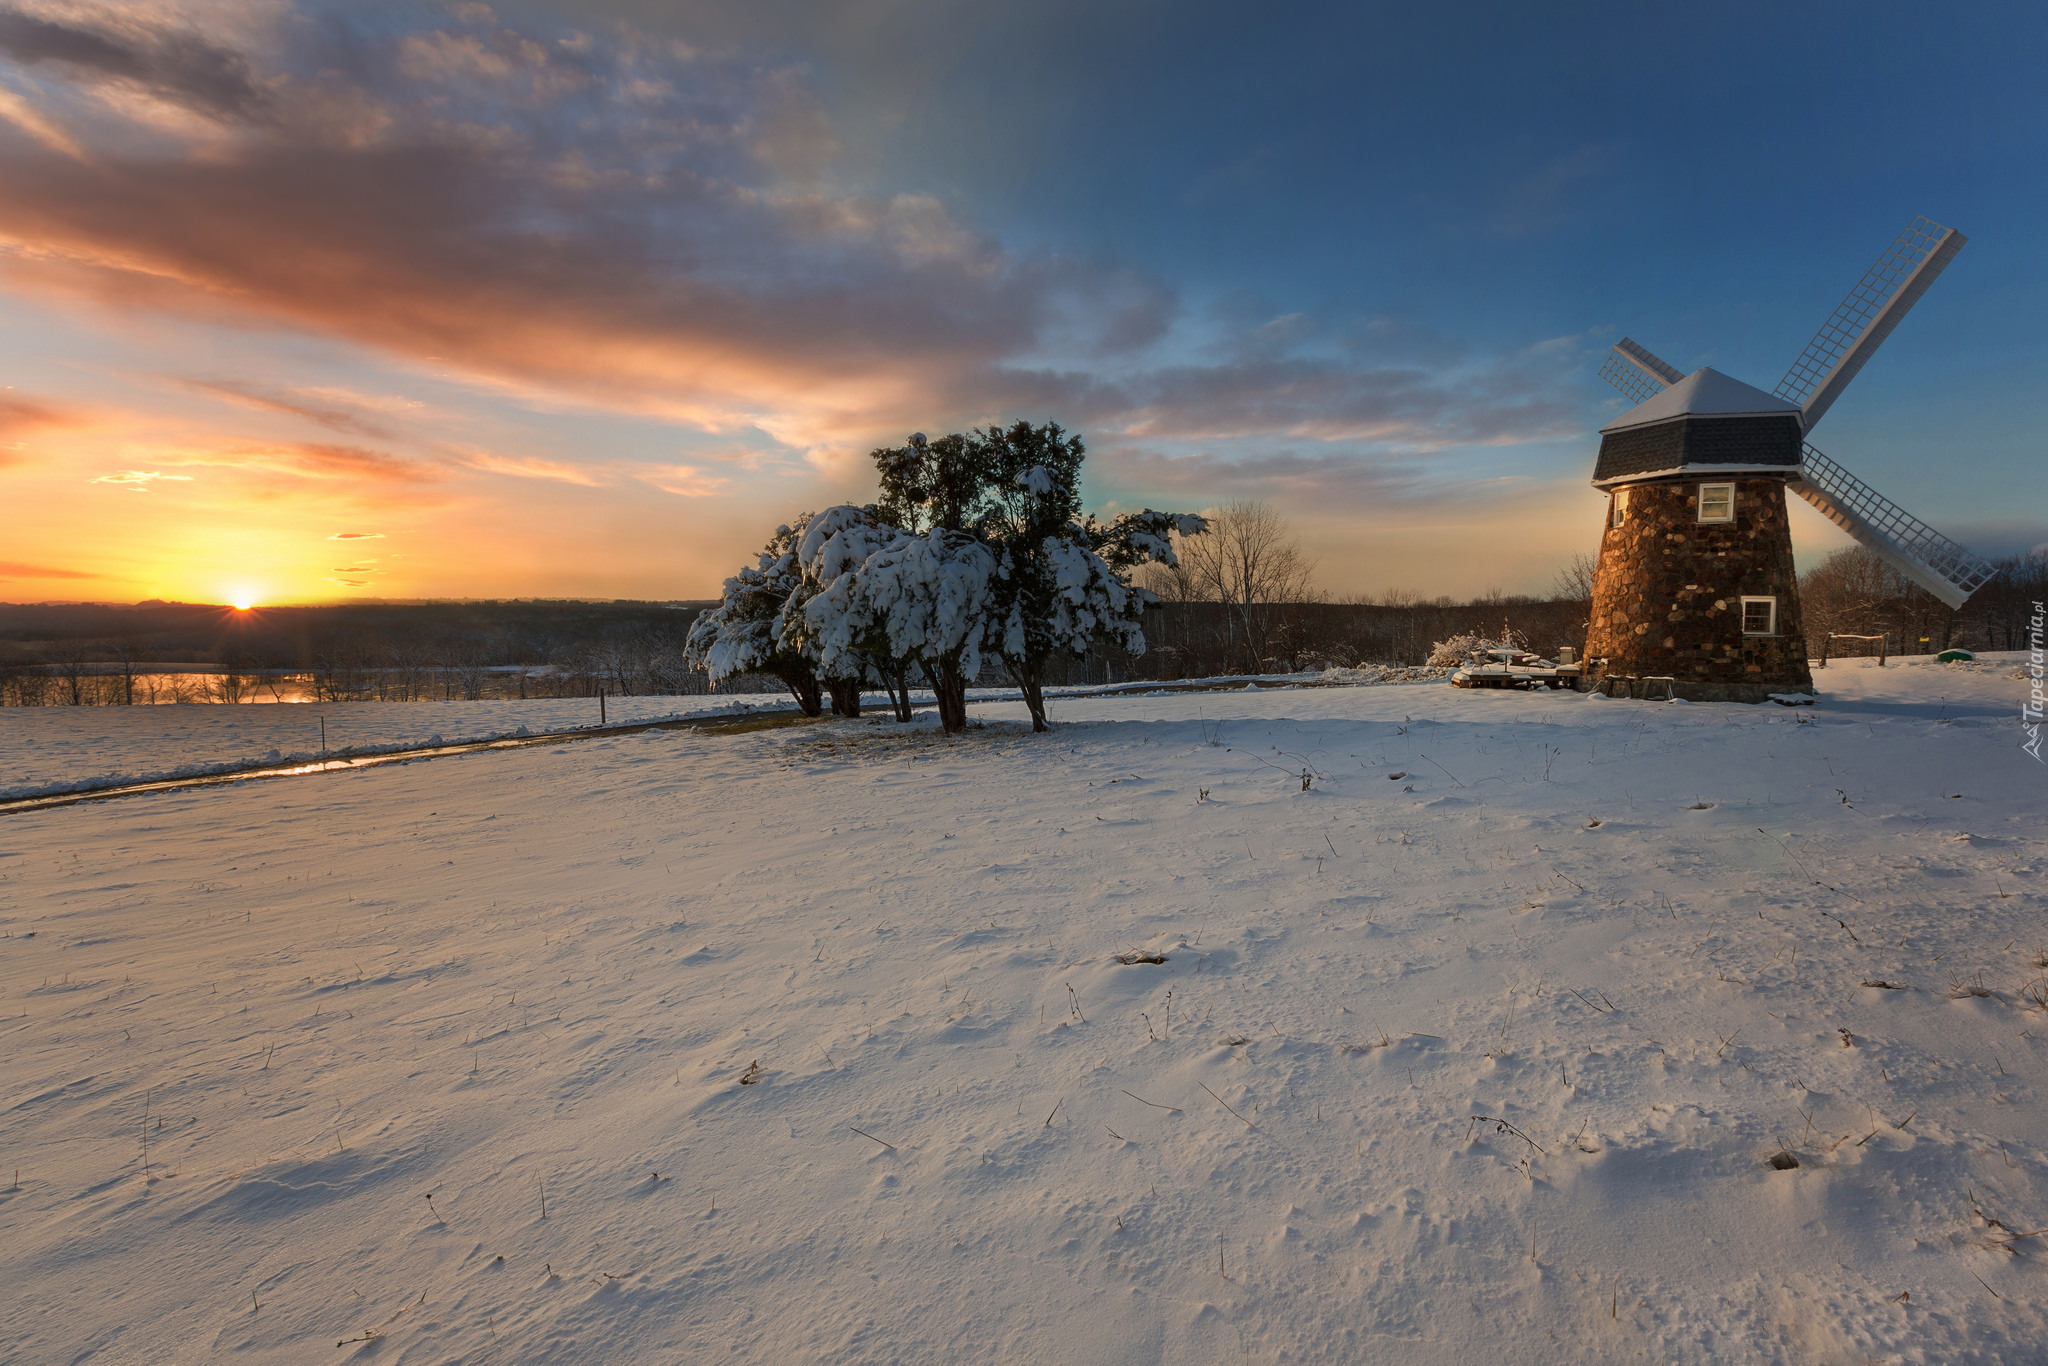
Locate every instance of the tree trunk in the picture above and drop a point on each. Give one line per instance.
(1026, 677)
(845, 696)
(804, 688)
(949, 688)
(898, 684)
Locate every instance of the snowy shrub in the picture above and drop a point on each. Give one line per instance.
(1448, 654)
(1063, 583)
(976, 547)
(877, 596)
(742, 633)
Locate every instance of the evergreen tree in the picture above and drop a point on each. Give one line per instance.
(741, 634)
(1064, 582)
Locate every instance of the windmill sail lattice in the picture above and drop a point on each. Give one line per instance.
(1941, 566)
(1864, 319)
(1637, 373)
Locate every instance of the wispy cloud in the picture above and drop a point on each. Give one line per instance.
(21, 417)
(133, 49)
(13, 569)
(625, 221)
(531, 467)
(139, 481)
(600, 218)
(605, 235)
(25, 116)
(316, 406)
(1326, 481)
(686, 481)
(1319, 398)
(316, 460)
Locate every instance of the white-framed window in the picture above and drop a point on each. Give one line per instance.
(1717, 504)
(1617, 507)
(1759, 616)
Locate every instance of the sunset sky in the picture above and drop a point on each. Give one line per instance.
(304, 301)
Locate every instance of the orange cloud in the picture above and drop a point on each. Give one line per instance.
(564, 217)
(605, 222)
(317, 460)
(10, 569)
(139, 481)
(686, 481)
(19, 417)
(530, 467)
(318, 407)
(616, 222)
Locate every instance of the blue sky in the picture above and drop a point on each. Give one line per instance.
(581, 300)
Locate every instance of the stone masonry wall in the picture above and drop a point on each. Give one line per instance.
(1667, 593)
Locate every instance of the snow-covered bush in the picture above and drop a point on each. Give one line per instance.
(1447, 654)
(1063, 582)
(879, 596)
(742, 633)
(977, 546)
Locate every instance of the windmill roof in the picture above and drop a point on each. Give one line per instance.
(1705, 392)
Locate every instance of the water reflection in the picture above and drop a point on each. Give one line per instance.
(57, 687)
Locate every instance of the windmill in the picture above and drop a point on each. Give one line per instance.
(1695, 580)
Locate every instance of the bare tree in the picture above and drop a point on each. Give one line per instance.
(1251, 564)
(1574, 582)
(232, 680)
(2005, 606)
(127, 651)
(467, 664)
(1854, 591)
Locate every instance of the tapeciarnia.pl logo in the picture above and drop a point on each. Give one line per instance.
(2037, 670)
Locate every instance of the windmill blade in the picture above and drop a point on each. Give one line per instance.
(1859, 326)
(1638, 374)
(1941, 566)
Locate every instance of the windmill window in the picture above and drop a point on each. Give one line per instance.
(1617, 506)
(1759, 616)
(1717, 503)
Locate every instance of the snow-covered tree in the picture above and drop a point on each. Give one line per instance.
(882, 596)
(834, 542)
(1064, 579)
(742, 633)
(976, 547)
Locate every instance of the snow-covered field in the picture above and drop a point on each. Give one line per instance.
(817, 1044)
(51, 750)
(61, 749)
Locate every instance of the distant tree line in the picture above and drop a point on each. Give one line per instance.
(1238, 599)
(1856, 592)
(96, 654)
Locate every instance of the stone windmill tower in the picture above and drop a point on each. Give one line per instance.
(1695, 580)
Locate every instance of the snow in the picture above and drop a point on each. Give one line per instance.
(47, 750)
(1703, 393)
(926, 596)
(1636, 932)
(51, 750)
